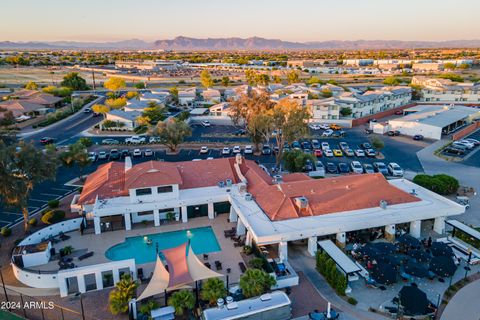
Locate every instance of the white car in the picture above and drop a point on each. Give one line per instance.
(102, 155)
(137, 153)
(324, 126)
(248, 150)
(148, 153)
(236, 149)
(92, 156)
(226, 151)
(135, 140)
(314, 126)
(474, 141)
(356, 167)
(87, 110)
(327, 133)
(325, 146)
(206, 123)
(154, 140)
(359, 153)
(469, 144)
(204, 149)
(395, 170)
(328, 153)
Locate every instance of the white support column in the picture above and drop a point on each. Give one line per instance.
(128, 221)
(390, 232)
(439, 225)
(96, 223)
(156, 217)
(63, 288)
(211, 213)
(133, 272)
(283, 250)
(248, 238)
(184, 214)
(116, 276)
(240, 228)
(416, 228)
(341, 239)
(81, 283)
(312, 246)
(233, 215)
(98, 280)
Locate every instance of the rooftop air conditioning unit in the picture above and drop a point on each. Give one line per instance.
(221, 184)
(248, 196)
(383, 204)
(277, 178)
(220, 303)
(228, 182)
(301, 202)
(414, 192)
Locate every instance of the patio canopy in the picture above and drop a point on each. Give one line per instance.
(198, 271)
(462, 227)
(340, 258)
(159, 282)
(177, 265)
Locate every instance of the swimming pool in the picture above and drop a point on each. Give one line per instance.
(202, 240)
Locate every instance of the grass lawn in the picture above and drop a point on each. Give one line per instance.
(4, 315)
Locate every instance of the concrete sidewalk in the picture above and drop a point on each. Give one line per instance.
(464, 305)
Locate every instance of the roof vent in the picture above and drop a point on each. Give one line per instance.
(232, 306)
(238, 158)
(383, 204)
(413, 192)
(221, 184)
(220, 303)
(301, 202)
(229, 299)
(248, 196)
(266, 297)
(277, 178)
(228, 182)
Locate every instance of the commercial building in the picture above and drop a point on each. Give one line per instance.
(147, 65)
(447, 91)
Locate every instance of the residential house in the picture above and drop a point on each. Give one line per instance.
(447, 91)
(127, 118)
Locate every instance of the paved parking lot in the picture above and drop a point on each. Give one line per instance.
(473, 158)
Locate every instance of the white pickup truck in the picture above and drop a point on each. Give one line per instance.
(135, 140)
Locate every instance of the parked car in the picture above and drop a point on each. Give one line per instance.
(370, 153)
(356, 167)
(327, 133)
(343, 145)
(87, 110)
(399, 112)
(226, 151)
(306, 145)
(204, 149)
(395, 170)
(366, 145)
(236, 149)
(335, 127)
(137, 153)
(46, 140)
(393, 133)
(148, 153)
(110, 141)
(315, 144)
(308, 166)
(266, 150)
(338, 134)
(343, 167)
(456, 150)
(154, 140)
(318, 152)
(92, 156)
(248, 150)
(206, 123)
(349, 152)
(325, 145)
(308, 151)
(328, 153)
(314, 126)
(359, 153)
(125, 153)
(418, 137)
(337, 153)
(331, 168)
(470, 145)
(320, 168)
(380, 167)
(474, 141)
(368, 168)
(102, 155)
(324, 126)
(135, 140)
(240, 132)
(114, 154)
(296, 145)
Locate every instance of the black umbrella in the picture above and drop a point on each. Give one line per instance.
(420, 255)
(414, 301)
(416, 269)
(368, 250)
(389, 258)
(384, 273)
(441, 249)
(443, 266)
(408, 240)
(385, 247)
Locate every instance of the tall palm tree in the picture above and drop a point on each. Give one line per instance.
(182, 300)
(22, 166)
(119, 297)
(212, 290)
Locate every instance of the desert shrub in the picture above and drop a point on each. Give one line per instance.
(53, 216)
(6, 231)
(53, 203)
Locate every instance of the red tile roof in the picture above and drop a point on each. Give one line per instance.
(152, 173)
(107, 182)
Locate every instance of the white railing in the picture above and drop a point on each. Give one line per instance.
(52, 230)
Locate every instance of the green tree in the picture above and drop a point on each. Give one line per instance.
(262, 79)
(76, 156)
(450, 66)
(225, 81)
(392, 81)
(277, 79)
(295, 160)
(327, 93)
(22, 167)
(251, 77)
(314, 80)
(115, 84)
(255, 282)
(451, 76)
(75, 82)
(101, 109)
(140, 85)
(174, 93)
(117, 103)
(119, 297)
(182, 301)
(171, 133)
(148, 306)
(377, 143)
(292, 77)
(346, 111)
(31, 86)
(212, 290)
(132, 94)
(206, 79)
(154, 112)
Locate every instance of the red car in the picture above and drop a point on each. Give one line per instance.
(399, 112)
(317, 153)
(46, 140)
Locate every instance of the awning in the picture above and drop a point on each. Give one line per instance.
(198, 271)
(177, 265)
(159, 282)
(462, 227)
(341, 259)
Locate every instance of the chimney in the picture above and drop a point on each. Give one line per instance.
(238, 159)
(128, 163)
(383, 204)
(301, 203)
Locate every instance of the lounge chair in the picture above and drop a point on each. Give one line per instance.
(240, 243)
(218, 265)
(242, 266)
(208, 265)
(85, 256)
(205, 256)
(140, 274)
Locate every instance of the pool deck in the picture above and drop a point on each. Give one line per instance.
(229, 255)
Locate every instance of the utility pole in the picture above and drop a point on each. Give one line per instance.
(93, 76)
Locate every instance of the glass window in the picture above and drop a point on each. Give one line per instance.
(165, 189)
(143, 192)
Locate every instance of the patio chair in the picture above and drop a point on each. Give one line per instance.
(242, 266)
(85, 256)
(140, 274)
(229, 270)
(205, 256)
(240, 243)
(208, 265)
(218, 265)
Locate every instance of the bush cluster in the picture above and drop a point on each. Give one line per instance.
(6, 231)
(326, 266)
(52, 204)
(53, 216)
(440, 183)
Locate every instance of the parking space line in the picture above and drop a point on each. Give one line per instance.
(6, 212)
(61, 189)
(51, 194)
(38, 200)
(7, 222)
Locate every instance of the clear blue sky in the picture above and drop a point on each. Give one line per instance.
(297, 20)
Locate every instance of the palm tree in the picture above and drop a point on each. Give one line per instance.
(182, 300)
(255, 282)
(22, 167)
(212, 290)
(76, 155)
(119, 297)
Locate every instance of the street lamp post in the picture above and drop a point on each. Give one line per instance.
(3, 284)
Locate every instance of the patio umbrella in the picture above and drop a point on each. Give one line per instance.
(368, 250)
(441, 249)
(385, 247)
(389, 258)
(443, 266)
(414, 301)
(408, 240)
(384, 273)
(416, 269)
(420, 255)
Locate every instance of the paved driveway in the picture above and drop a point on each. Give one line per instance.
(464, 305)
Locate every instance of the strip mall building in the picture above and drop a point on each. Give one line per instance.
(267, 211)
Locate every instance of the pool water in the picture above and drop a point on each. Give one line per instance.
(202, 240)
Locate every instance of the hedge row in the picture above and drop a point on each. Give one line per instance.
(440, 183)
(327, 267)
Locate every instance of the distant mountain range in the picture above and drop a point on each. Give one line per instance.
(252, 43)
